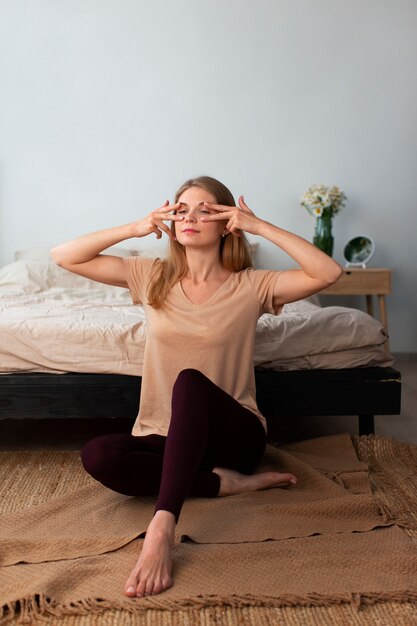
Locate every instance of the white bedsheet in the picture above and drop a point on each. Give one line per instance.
(54, 321)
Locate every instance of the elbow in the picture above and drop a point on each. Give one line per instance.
(56, 257)
(334, 274)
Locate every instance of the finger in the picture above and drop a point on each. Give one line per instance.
(235, 231)
(242, 202)
(217, 207)
(169, 216)
(232, 228)
(244, 206)
(166, 230)
(166, 207)
(163, 206)
(166, 213)
(217, 216)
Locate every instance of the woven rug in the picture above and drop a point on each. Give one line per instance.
(332, 496)
(357, 553)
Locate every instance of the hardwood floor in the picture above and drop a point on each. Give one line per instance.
(72, 434)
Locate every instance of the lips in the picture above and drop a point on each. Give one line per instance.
(190, 230)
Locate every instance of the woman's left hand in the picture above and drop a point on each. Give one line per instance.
(239, 218)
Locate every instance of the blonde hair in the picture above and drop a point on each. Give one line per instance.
(234, 251)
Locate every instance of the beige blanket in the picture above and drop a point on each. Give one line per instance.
(324, 540)
(332, 496)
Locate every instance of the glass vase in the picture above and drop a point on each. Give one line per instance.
(323, 237)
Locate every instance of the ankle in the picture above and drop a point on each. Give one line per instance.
(164, 520)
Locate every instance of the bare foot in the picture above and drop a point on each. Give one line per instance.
(152, 572)
(232, 482)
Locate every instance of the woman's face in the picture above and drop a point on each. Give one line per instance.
(191, 231)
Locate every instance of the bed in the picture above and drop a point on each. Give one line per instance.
(70, 347)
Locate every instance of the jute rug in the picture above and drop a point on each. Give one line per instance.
(323, 548)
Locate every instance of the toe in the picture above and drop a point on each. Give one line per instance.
(130, 586)
(141, 588)
(149, 587)
(158, 587)
(166, 582)
(287, 478)
(130, 591)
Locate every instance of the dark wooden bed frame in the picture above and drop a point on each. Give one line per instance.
(363, 392)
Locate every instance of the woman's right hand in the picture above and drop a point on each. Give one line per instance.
(154, 222)
(83, 255)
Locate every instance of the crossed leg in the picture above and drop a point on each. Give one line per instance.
(212, 446)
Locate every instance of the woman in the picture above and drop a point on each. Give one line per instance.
(199, 431)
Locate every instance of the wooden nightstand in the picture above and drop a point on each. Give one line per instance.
(369, 282)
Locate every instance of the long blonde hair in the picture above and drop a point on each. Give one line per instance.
(234, 251)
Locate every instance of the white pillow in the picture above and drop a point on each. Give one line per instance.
(28, 277)
(43, 254)
(24, 276)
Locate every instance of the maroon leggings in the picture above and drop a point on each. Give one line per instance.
(208, 428)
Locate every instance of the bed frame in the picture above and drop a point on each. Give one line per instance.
(363, 392)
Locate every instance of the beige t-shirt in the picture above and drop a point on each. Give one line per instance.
(216, 337)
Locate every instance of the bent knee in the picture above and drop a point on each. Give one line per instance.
(190, 375)
(99, 454)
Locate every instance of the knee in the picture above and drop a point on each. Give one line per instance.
(189, 376)
(98, 455)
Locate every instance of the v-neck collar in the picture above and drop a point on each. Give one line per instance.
(212, 297)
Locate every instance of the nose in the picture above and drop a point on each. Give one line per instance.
(190, 216)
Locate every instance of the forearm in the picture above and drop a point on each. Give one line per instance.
(315, 263)
(87, 247)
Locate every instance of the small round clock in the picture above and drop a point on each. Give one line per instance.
(358, 251)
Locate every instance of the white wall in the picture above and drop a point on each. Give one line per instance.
(107, 106)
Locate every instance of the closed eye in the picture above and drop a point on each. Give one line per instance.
(200, 211)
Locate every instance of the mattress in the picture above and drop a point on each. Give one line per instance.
(54, 321)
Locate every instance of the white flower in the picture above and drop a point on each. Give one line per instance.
(317, 198)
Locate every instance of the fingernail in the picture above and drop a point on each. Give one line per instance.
(130, 590)
(292, 481)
